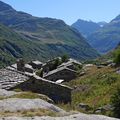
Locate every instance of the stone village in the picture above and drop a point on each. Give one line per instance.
(24, 76)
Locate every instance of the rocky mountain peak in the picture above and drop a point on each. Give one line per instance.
(4, 6)
(86, 27)
(117, 19)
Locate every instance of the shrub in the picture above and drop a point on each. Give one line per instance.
(117, 57)
(56, 63)
(40, 73)
(115, 100)
(65, 58)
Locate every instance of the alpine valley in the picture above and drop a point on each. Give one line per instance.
(23, 35)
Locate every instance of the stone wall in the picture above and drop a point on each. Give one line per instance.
(36, 64)
(58, 93)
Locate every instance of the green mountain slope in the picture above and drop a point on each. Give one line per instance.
(41, 38)
(107, 38)
(13, 45)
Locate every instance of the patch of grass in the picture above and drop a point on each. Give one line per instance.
(39, 112)
(2, 97)
(66, 107)
(95, 88)
(29, 113)
(30, 95)
(17, 90)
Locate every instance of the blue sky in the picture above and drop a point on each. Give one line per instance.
(69, 10)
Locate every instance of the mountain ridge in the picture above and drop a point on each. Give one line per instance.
(107, 38)
(44, 38)
(87, 27)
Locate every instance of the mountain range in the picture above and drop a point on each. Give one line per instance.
(107, 38)
(86, 28)
(102, 36)
(23, 35)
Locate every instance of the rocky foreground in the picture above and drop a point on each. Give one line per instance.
(13, 109)
(79, 116)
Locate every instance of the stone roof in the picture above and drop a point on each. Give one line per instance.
(53, 59)
(9, 78)
(14, 66)
(59, 69)
(65, 64)
(37, 62)
(70, 62)
(28, 66)
(11, 68)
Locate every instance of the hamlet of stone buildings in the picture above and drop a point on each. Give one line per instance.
(23, 76)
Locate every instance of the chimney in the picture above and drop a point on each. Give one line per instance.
(20, 64)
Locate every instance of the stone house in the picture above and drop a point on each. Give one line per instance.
(21, 66)
(71, 64)
(28, 68)
(10, 80)
(63, 73)
(58, 93)
(36, 64)
(48, 66)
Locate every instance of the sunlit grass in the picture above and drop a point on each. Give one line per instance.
(95, 88)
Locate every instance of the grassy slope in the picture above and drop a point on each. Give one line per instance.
(95, 88)
(13, 45)
(108, 56)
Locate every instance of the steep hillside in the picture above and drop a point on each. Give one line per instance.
(8, 50)
(13, 45)
(45, 37)
(86, 27)
(107, 38)
(95, 88)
